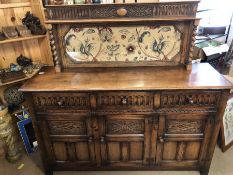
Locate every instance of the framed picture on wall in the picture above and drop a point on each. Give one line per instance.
(226, 132)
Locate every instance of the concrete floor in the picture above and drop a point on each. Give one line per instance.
(222, 164)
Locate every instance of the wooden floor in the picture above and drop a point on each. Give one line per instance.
(222, 165)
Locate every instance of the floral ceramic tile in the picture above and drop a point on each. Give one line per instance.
(122, 44)
(228, 122)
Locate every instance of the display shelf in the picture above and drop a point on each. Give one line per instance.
(15, 5)
(22, 39)
(28, 76)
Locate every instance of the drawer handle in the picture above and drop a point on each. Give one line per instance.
(122, 12)
(60, 103)
(124, 101)
(190, 100)
(161, 139)
(90, 140)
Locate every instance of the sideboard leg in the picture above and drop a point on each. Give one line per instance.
(204, 172)
(48, 172)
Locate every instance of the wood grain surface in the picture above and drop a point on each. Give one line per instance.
(202, 76)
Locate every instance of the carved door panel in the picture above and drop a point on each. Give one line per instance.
(183, 140)
(68, 140)
(125, 140)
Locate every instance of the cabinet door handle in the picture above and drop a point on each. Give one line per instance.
(90, 140)
(102, 139)
(161, 139)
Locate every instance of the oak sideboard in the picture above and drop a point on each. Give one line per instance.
(124, 94)
(137, 118)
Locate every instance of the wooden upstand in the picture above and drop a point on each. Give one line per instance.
(145, 118)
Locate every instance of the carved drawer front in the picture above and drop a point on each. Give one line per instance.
(135, 101)
(135, 10)
(61, 101)
(190, 98)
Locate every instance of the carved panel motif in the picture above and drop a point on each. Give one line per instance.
(142, 100)
(125, 127)
(58, 102)
(67, 127)
(188, 110)
(180, 99)
(133, 11)
(180, 151)
(184, 126)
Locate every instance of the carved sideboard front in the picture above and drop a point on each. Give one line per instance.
(128, 119)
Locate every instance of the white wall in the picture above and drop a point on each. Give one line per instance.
(220, 14)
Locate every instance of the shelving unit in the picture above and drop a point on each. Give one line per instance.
(21, 79)
(35, 47)
(15, 5)
(22, 39)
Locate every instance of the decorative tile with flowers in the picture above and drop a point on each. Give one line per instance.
(122, 44)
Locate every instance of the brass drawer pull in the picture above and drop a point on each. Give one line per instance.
(190, 100)
(124, 101)
(122, 12)
(60, 103)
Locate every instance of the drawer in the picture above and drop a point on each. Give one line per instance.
(118, 101)
(50, 102)
(118, 11)
(190, 98)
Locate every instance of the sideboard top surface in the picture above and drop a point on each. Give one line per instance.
(202, 76)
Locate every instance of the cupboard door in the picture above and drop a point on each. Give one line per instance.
(125, 140)
(69, 139)
(183, 140)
